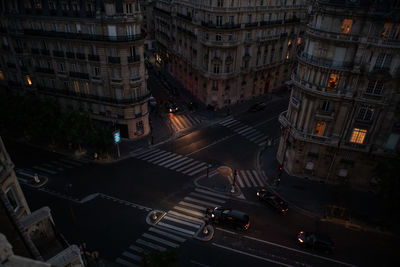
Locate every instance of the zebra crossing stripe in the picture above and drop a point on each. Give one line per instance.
(44, 170)
(231, 124)
(243, 175)
(239, 179)
(62, 164)
(246, 131)
(125, 263)
(183, 203)
(258, 178)
(169, 160)
(164, 158)
(181, 163)
(209, 204)
(135, 248)
(211, 193)
(195, 213)
(194, 120)
(207, 197)
(131, 256)
(190, 218)
(199, 170)
(251, 178)
(156, 155)
(262, 143)
(159, 157)
(198, 165)
(224, 122)
(176, 228)
(146, 153)
(254, 134)
(72, 162)
(174, 162)
(176, 122)
(150, 245)
(160, 240)
(172, 231)
(188, 166)
(21, 172)
(241, 128)
(186, 122)
(180, 221)
(171, 236)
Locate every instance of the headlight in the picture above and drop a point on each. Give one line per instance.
(258, 193)
(212, 215)
(170, 110)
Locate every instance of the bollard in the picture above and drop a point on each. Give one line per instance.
(155, 216)
(233, 189)
(205, 230)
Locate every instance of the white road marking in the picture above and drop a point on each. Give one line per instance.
(131, 256)
(154, 156)
(243, 175)
(169, 235)
(251, 178)
(188, 166)
(224, 230)
(207, 197)
(195, 213)
(180, 164)
(150, 245)
(197, 171)
(183, 203)
(184, 222)
(135, 248)
(172, 159)
(190, 218)
(211, 193)
(177, 228)
(160, 240)
(173, 231)
(44, 170)
(146, 153)
(240, 181)
(252, 255)
(258, 178)
(163, 158)
(125, 263)
(208, 204)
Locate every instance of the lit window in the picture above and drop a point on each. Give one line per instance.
(387, 28)
(289, 43)
(287, 55)
(28, 80)
(358, 136)
(320, 129)
(333, 80)
(86, 88)
(374, 87)
(76, 87)
(1, 75)
(346, 26)
(38, 4)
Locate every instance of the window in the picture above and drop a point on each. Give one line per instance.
(228, 68)
(1, 75)
(232, 2)
(218, 37)
(365, 114)
(61, 67)
(28, 80)
(383, 61)
(220, 3)
(219, 20)
(96, 71)
(231, 20)
(374, 87)
(325, 105)
(249, 18)
(358, 136)
(38, 4)
(230, 37)
(261, 2)
(132, 51)
(392, 141)
(287, 55)
(128, 8)
(320, 128)
(52, 4)
(387, 28)
(216, 68)
(12, 198)
(215, 85)
(346, 25)
(76, 87)
(333, 80)
(92, 29)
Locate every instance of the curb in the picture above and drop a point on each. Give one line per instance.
(209, 236)
(158, 217)
(33, 185)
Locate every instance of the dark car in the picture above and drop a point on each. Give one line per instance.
(316, 241)
(273, 200)
(258, 106)
(229, 217)
(171, 107)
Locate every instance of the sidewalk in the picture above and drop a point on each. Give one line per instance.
(310, 197)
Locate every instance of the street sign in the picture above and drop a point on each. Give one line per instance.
(117, 136)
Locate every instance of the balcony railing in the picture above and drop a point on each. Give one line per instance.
(45, 52)
(94, 57)
(35, 51)
(251, 24)
(134, 58)
(84, 36)
(332, 35)
(114, 60)
(186, 17)
(126, 101)
(58, 53)
(80, 75)
(44, 70)
(323, 62)
(225, 26)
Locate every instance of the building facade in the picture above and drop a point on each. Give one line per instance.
(344, 107)
(226, 51)
(87, 55)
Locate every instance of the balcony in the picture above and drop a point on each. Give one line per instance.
(337, 36)
(379, 41)
(70, 55)
(251, 24)
(133, 59)
(58, 53)
(226, 26)
(80, 75)
(162, 10)
(45, 52)
(84, 36)
(268, 38)
(93, 57)
(80, 56)
(186, 17)
(35, 51)
(18, 50)
(323, 62)
(95, 98)
(44, 70)
(114, 60)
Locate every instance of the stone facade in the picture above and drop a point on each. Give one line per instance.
(344, 106)
(226, 51)
(87, 55)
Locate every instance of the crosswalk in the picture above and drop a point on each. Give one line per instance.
(171, 161)
(180, 223)
(45, 169)
(251, 178)
(181, 122)
(250, 133)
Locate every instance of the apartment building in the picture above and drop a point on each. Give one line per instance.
(227, 51)
(87, 55)
(344, 111)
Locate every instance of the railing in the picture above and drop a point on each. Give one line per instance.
(44, 70)
(225, 43)
(95, 97)
(251, 24)
(114, 60)
(84, 36)
(225, 26)
(134, 58)
(328, 63)
(93, 57)
(268, 38)
(80, 75)
(58, 53)
(186, 17)
(333, 35)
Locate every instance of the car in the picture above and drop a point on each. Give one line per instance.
(258, 106)
(315, 241)
(171, 107)
(229, 217)
(270, 198)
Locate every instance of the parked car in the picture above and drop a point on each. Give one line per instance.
(171, 107)
(258, 106)
(229, 217)
(316, 241)
(270, 198)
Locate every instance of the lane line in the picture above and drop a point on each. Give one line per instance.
(252, 255)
